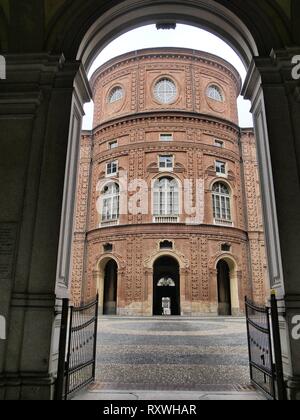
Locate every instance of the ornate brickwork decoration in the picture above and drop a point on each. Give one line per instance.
(193, 123)
(195, 280)
(139, 283)
(204, 269)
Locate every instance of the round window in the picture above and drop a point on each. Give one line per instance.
(116, 94)
(214, 92)
(165, 91)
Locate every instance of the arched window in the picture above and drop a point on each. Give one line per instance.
(110, 203)
(165, 91)
(221, 202)
(116, 94)
(214, 92)
(166, 198)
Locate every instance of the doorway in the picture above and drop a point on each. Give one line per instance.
(166, 287)
(110, 288)
(224, 289)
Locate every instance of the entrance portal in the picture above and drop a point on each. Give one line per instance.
(166, 288)
(110, 288)
(224, 289)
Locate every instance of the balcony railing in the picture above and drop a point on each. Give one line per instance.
(223, 222)
(108, 223)
(166, 219)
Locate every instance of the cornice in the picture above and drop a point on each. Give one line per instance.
(171, 230)
(170, 115)
(159, 147)
(168, 52)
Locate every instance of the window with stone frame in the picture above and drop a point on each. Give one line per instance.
(110, 203)
(166, 162)
(166, 197)
(220, 167)
(112, 168)
(221, 202)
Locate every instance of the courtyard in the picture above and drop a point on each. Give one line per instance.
(186, 358)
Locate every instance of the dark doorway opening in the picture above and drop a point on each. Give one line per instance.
(224, 289)
(110, 288)
(166, 289)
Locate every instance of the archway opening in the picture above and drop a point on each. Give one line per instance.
(224, 289)
(166, 286)
(110, 288)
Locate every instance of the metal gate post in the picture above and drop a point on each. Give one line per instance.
(59, 390)
(67, 369)
(248, 338)
(277, 350)
(95, 336)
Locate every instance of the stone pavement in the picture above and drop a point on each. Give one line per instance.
(171, 358)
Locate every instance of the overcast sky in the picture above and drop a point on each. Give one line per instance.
(184, 36)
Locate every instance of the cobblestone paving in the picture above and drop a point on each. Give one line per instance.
(172, 354)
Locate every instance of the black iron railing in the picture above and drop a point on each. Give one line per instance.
(265, 356)
(77, 354)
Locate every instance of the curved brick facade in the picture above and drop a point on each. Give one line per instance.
(202, 133)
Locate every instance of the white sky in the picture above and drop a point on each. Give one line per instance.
(185, 37)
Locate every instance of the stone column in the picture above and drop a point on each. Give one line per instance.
(148, 295)
(121, 291)
(99, 285)
(238, 302)
(276, 109)
(213, 291)
(39, 152)
(185, 292)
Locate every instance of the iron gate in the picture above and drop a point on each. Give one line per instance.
(265, 354)
(77, 353)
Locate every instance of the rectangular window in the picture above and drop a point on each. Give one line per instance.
(220, 167)
(112, 168)
(166, 162)
(110, 209)
(221, 206)
(113, 144)
(219, 143)
(166, 137)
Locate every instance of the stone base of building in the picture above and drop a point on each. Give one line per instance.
(194, 309)
(293, 389)
(15, 387)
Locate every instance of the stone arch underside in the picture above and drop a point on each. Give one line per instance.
(254, 29)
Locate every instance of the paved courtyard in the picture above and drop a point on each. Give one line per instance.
(172, 354)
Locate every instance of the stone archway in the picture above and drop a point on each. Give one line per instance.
(166, 286)
(106, 278)
(227, 286)
(239, 37)
(218, 19)
(183, 264)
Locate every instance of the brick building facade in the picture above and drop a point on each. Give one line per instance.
(168, 212)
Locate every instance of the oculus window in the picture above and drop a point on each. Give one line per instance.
(165, 91)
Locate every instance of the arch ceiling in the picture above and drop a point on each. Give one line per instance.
(255, 23)
(61, 25)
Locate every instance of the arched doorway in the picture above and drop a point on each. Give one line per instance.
(224, 289)
(110, 288)
(166, 286)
